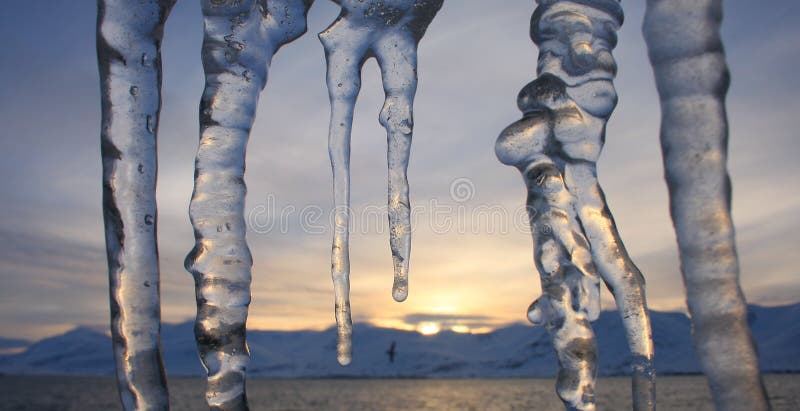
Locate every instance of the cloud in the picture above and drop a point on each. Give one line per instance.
(444, 318)
(451, 320)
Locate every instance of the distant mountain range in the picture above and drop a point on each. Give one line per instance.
(514, 351)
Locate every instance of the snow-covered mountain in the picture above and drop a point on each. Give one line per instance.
(514, 351)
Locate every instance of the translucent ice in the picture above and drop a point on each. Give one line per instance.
(556, 146)
(570, 283)
(390, 31)
(241, 37)
(683, 38)
(129, 56)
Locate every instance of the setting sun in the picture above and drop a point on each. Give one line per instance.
(428, 328)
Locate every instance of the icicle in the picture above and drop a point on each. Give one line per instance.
(390, 31)
(556, 146)
(241, 37)
(683, 38)
(570, 283)
(128, 52)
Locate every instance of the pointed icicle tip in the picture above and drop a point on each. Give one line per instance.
(400, 291)
(344, 351)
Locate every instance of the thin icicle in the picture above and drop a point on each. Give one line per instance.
(390, 31)
(556, 146)
(129, 56)
(241, 37)
(683, 38)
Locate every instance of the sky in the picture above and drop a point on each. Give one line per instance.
(471, 266)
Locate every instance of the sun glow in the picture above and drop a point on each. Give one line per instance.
(428, 328)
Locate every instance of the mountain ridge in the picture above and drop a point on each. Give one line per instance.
(516, 350)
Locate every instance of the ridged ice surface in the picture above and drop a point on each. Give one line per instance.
(556, 146)
(683, 37)
(390, 31)
(570, 283)
(129, 56)
(241, 37)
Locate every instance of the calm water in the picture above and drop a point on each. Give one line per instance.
(91, 393)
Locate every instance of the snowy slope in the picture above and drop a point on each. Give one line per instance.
(514, 351)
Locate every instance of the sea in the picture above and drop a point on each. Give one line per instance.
(59, 393)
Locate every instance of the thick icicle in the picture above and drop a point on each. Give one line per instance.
(556, 146)
(390, 31)
(129, 55)
(683, 37)
(241, 38)
(570, 283)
